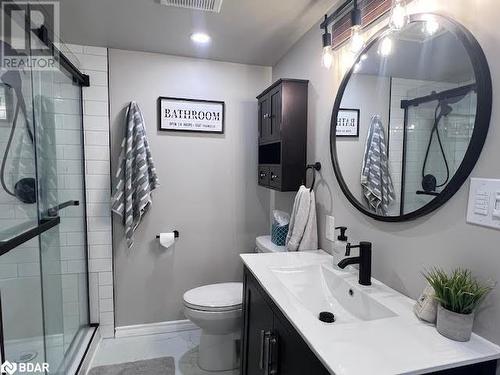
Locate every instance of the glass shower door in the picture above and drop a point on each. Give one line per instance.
(20, 283)
(44, 311)
(60, 162)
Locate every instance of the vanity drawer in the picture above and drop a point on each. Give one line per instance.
(275, 177)
(263, 175)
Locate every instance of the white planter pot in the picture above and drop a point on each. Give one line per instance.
(454, 326)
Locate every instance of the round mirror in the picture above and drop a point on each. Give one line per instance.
(410, 118)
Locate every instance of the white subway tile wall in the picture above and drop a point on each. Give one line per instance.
(94, 62)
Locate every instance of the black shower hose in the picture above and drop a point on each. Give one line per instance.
(435, 129)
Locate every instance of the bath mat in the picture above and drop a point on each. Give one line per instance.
(156, 366)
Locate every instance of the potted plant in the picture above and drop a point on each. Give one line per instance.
(458, 294)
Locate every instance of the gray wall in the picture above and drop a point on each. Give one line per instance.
(402, 251)
(371, 95)
(208, 183)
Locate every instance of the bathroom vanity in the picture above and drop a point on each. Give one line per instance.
(375, 330)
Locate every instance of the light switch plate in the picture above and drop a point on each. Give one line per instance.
(484, 202)
(330, 228)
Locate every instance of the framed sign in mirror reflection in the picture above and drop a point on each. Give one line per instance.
(348, 123)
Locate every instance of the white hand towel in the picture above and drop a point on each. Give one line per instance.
(303, 229)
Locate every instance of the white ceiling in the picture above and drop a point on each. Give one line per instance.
(246, 31)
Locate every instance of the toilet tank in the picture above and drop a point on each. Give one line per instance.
(263, 244)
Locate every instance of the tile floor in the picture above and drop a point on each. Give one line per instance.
(183, 346)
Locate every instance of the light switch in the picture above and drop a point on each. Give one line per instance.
(484, 202)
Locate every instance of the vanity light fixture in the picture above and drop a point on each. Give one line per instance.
(399, 15)
(200, 38)
(327, 57)
(357, 40)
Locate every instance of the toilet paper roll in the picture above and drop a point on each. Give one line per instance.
(167, 239)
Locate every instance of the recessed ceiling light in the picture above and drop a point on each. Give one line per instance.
(200, 38)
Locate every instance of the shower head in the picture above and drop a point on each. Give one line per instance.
(12, 78)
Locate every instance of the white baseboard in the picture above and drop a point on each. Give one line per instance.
(154, 328)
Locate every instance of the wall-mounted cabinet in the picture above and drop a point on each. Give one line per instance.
(283, 135)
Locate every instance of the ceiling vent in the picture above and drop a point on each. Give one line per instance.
(203, 5)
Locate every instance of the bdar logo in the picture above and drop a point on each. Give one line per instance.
(8, 368)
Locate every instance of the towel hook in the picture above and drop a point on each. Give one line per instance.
(314, 167)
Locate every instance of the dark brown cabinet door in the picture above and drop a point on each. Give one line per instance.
(258, 326)
(264, 176)
(264, 117)
(275, 114)
(289, 344)
(275, 177)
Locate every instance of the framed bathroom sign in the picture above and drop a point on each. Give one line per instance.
(347, 123)
(190, 115)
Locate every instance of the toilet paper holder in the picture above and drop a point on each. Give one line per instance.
(176, 234)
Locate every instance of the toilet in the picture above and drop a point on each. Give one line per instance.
(217, 310)
(263, 244)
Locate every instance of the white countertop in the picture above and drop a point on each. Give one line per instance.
(397, 345)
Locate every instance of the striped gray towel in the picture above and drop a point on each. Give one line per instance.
(136, 175)
(376, 181)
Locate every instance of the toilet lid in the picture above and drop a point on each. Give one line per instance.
(215, 296)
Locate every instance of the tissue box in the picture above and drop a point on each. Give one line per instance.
(278, 234)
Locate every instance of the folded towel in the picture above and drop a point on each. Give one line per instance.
(376, 181)
(136, 175)
(303, 228)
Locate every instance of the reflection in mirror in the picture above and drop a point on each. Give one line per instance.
(415, 90)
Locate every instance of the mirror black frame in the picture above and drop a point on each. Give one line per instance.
(481, 125)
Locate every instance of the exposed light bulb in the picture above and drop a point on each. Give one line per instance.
(327, 58)
(385, 48)
(357, 40)
(399, 16)
(431, 27)
(364, 57)
(357, 67)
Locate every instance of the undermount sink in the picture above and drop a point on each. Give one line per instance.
(320, 288)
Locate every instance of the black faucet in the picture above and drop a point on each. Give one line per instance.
(364, 260)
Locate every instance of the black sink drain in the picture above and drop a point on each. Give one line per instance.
(326, 317)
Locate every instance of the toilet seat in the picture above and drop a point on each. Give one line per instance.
(212, 309)
(215, 298)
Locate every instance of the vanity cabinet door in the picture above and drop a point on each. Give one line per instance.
(293, 355)
(257, 329)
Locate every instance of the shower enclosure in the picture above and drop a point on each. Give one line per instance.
(438, 128)
(44, 302)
